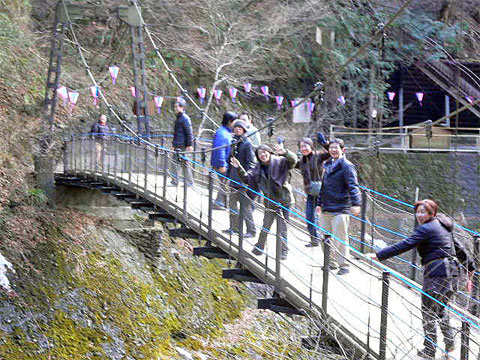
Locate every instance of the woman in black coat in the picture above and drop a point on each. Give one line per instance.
(440, 254)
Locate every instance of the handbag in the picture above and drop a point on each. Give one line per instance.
(314, 188)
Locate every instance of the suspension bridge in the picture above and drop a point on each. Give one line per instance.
(374, 311)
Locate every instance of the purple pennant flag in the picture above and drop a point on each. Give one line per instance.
(293, 103)
(114, 73)
(218, 95)
(391, 95)
(95, 91)
(420, 96)
(470, 99)
(73, 98)
(247, 87)
(63, 93)
(279, 100)
(201, 94)
(341, 99)
(265, 91)
(158, 103)
(233, 93)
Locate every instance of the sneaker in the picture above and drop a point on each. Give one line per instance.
(249, 235)
(312, 244)
(173, 183)
(230, 232)
(426, 354)
(283, 256)
(343, 271)
(257, 251)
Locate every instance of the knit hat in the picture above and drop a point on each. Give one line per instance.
(306, 140)
(240, 123)
(263, 147)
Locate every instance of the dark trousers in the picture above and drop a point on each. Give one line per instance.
(282, 215)
(238, 196)
(221, 199)
(310, 214)
(143, 125)
(442, 289)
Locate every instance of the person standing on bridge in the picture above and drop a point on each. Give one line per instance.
(252, 132)
(99, 132)
(219, 161)
(271, 176)
(311, 167)
(441, 255)
(339, 195)
(244, 152)
(182, 140)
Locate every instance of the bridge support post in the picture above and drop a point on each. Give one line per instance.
(278, 255)
(185, 190)
(384, 315)
(326, 270)
(155, 171)
(102, 168)
(476, 279)
(145, 168)
(363, 224)
(241, 213)
(165, 173)
(465, 340)
(115, 157)
(210, 205)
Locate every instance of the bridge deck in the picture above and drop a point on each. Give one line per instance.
(354, 299)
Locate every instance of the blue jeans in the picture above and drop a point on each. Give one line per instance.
(311, 215)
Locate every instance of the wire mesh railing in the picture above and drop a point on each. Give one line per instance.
(149, 170)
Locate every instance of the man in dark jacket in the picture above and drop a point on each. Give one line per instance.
(182, 139)
(245, 154)
(219, 160)
(100, 131)
(339, 196)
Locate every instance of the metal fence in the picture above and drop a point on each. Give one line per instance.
(160, 176)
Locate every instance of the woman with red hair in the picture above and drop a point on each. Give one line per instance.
(440, 254)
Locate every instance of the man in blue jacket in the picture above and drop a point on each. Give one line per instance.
(222, 140)
(182, 138)
(339, 196)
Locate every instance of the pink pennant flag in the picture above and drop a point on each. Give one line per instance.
(95, 91)
(420, 96)
(293, 103)
(265, 91)
(218, 95)
(391, 95)
(233, 93)
(63, 93)
(134, 91)
(158, 103)
(247, 87)
(311, 107)
(114, 73)
(341, 99)
(279, 100)
(73, 98)
(470, 99)
(201, 94)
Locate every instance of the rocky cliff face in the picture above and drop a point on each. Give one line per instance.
(106, 286)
